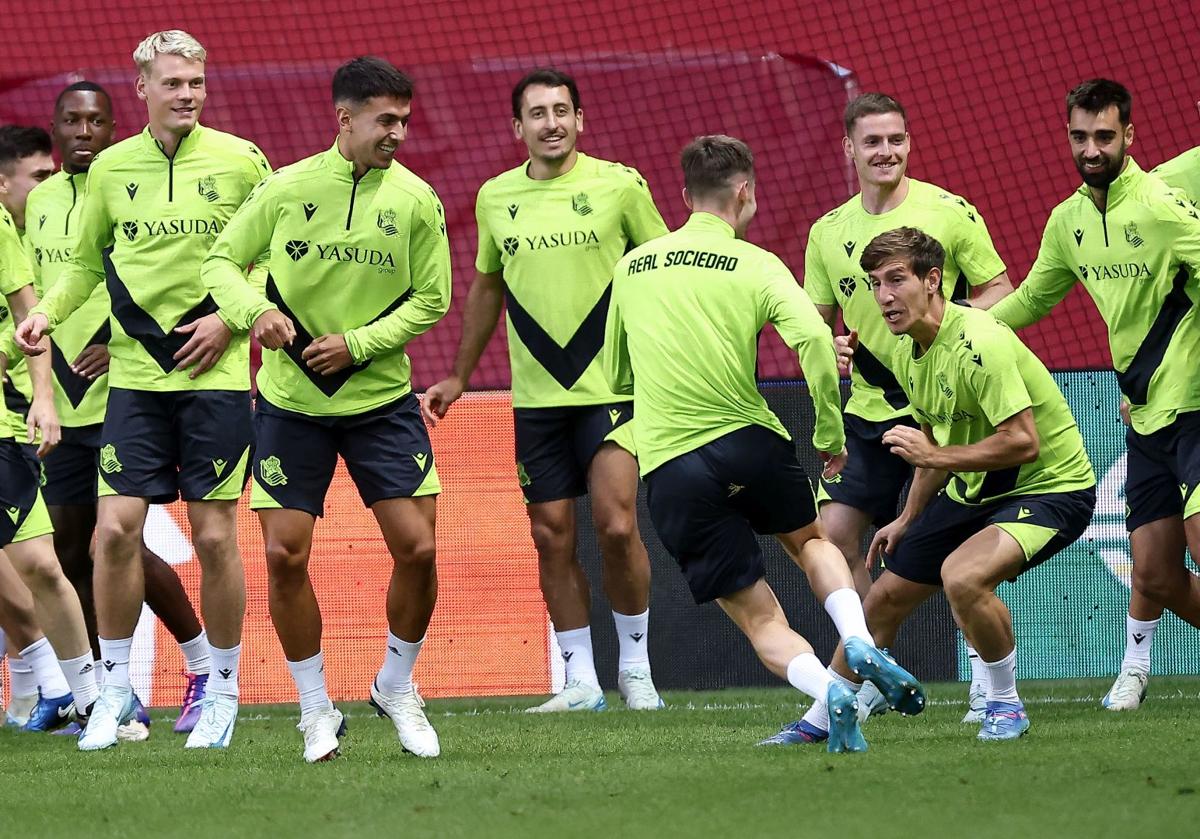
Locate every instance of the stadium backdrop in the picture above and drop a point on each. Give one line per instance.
(984, 85)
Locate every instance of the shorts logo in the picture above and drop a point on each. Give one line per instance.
(1183, 488)
(130, 229)
(108, 459)
(42, 474)
(523, 476)
(614, 414)
(386, 222)
(581, 205)
(14, 513)
(309, 209)
(296, 249)
(510, 245)
(207, 187)
(836, 479)
(421, 458)
(734, 489)
(271, 472)
(1024, 513)
(1132, 237)
(219, 466)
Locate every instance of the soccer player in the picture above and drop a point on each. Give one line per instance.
(349, 224)
(718, 464)
(82, 128)
(1002, 480)
(177, 421)
(550, 231)
(867, 492)
(1134, 243)
(25, 527)
(25, 162)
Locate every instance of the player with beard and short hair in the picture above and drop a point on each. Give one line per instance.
(550, 231)
(1134, 243)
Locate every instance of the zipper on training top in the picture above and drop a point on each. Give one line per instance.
(74, 195)
(350, 211)
(1104, 224)
(170, 167)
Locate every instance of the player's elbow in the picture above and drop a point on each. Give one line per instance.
(1025, 447)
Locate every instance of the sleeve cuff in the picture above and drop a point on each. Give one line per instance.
(354, 346)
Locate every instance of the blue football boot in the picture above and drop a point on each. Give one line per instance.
(899, 687)
(844, 732)
(796, 733)
(1004, 721)
(50, 713)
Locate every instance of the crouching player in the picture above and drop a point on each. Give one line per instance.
(681, 336)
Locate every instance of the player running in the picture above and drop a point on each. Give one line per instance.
(1134, 243)
(354, 225)
(177, 421)
(550, 231)
(718, 464)
(868, 491)
(83, 126)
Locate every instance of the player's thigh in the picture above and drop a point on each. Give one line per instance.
(871, 482)
(984, 561)
(1040, 525)
(845, 526)
(408, 526)
(215, 439)
(753, 606)
(613, 485)
(35, 563)
(548, 468)
(893, 598)
(138, 447)
(936, 533)
(388, 453)
(294, 460)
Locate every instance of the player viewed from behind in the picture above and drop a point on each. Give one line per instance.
(718, 464)
(177, 420)
(1002, 481)
(349, 225)
(550, 231)
(1134, 243)
(83, 127)
(867, 492)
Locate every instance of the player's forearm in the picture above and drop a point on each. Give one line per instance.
(239, 302)
(1002, 450)
(819, 363)
(414, 317)
(992, 292)
(485, 301)
(21, 302)
(925, 485)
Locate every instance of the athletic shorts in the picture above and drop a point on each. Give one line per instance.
(71, 469)
(161, 446)
(874, 478)
(1163, 471)
(555, 446)
(1042, 524)
(386, 450)
(24, 515)
(707, 505)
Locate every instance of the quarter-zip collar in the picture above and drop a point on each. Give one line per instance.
(343, 169)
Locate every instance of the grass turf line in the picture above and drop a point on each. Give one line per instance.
(690, 771)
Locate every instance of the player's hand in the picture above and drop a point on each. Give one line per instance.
(439, 398)
(327, 354)
(42, 417)
(29, 334)
(911, 444)
(1125, 418)
(834, 463)
(844, 346)
(92, 362)
(209, 338)
(274, 330)
(886, 540)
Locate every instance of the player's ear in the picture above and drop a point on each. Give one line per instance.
(516, 125)
(934, 279)
(848, 148)
(579, 120)
(344, 117)
(687, 198)
(140, 87)
(1129, 135)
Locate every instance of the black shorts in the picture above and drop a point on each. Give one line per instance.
(70, 470)
(555, 446)
(193, 444)
(24, 513)
(1042, 524)
(874, 479)
(1163, 471)
(707, 505)
(387, 454)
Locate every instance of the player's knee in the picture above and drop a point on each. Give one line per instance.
(286, 560)
(211, 543)
(418, 553)
(552, 539)
(616, 533)
(1152, 582)
(962, 584)
(884, 611)
(116, 538)
(41, 572)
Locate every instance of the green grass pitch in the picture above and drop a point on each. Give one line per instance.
(689, 771)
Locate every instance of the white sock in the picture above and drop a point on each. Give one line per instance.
(818, 715)
(223, 680)
(309, 676)
(1002, 679)
(114, 655)
(632, 632)
(979, 671)
(196, 654)
(1139, 637)
(395, 676)
(576, 646)
(806, 674)
(82, 674)
(845, 608)
(21, 681)
(40, 656)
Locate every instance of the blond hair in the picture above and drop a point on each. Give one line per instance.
(167, 42)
